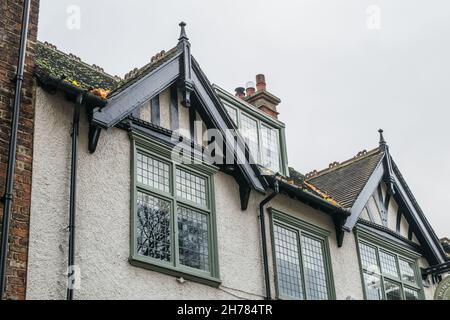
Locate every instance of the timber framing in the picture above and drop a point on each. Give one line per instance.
(198, 94)
(388, 172)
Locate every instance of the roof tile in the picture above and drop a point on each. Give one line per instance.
(344, 182)
(68, 67)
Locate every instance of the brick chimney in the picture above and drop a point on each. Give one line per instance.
(10, 29)
(262, 99)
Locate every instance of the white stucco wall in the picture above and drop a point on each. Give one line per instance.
(103, 224)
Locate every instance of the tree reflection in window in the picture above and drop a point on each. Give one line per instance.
(193, 239)
(153, 227)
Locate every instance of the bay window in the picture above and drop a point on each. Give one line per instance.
(387, 275)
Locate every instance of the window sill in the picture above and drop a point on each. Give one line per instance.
(140, 262)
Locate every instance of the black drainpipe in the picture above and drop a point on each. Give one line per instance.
(12, 147)
(73, 194)
(264, 238)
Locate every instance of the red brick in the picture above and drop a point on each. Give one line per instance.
(10, 26)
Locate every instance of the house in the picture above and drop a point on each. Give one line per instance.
(128, 192)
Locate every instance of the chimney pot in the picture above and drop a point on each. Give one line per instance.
(240, 92)
(250, 88)
(260, 82)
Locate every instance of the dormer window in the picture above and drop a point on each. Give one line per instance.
(270, 154)
(263, 135)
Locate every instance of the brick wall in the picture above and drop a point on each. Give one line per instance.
(10, 26)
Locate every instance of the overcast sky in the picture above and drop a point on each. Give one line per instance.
(343, 69)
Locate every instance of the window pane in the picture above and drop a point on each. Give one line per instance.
(368, 258)
(314, 269)
(388, 264)
(191, 187)
(153, 173)
(270, 153)
(249, 131)
(392, 290)
(372, 283)
(193, 239)
(288, 263)
(407, 270)
(153, 227)
(232, 112)
(411, 294)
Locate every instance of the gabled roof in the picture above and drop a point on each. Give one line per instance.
(352, 182)
(423, 229)
(176, 66)
(345, 181)
(50, 62)
(58, 70)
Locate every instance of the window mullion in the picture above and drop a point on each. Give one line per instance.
(302, 268)
(399, 275)
(175, 245)
(260, 146)
(380, 272)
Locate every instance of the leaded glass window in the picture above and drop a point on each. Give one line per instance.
(387, 275)
(288, 262)
(270, 156)
(411, 294)
(232, 112)
(153, 227)
(407, 270)
(193, 238)
(191, 187)
(372, 284)
(301, 264)
(249, 131)
(392, 290)
(263, 138)
(153, 172)
(388, 264)
(314, 268)
(173, 215)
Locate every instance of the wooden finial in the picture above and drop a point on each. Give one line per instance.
(183, 35)
(382, 141)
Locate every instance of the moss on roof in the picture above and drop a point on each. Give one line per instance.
(137, 74)
(51, 62)
(296, 176)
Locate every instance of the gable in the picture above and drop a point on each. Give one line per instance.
(177, 71)
(372, 188)
(383, 210)
(167, 111)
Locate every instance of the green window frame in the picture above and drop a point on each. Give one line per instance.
(237, 111)
(388, 272)
(301, 259)
(173, 225)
